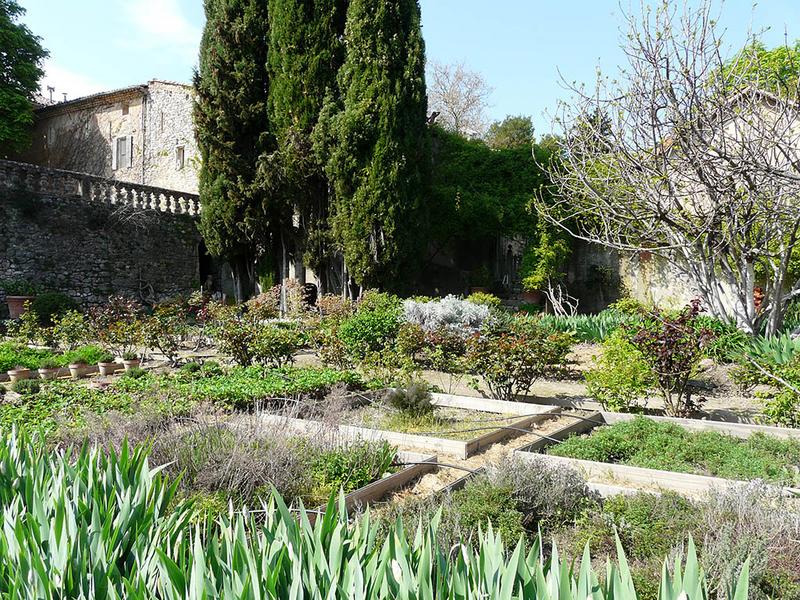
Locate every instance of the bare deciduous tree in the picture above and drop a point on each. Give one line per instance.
(692, 160)
(460, 96)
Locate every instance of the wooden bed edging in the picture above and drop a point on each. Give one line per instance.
(378, 489)
(459, 448)
(489, 404)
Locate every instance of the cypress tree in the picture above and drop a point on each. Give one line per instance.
(305, 53)
(232, 129)
(379, 157)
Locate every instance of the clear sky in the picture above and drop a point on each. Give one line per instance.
(522, 47)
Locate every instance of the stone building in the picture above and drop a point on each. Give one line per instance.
(140, 134)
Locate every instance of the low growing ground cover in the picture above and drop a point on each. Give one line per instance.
(643, 442)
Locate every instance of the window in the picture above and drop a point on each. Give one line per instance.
(179, 157)
(122, 152)
(125, 109)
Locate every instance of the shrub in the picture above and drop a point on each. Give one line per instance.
(51, 362)
(461, 316)
(484, 299)
(548, 496)
(727, 341)
(783, 409)
(70, 330)
(349, 467)
(369, 330)
(275, 345)
(672, 346)
(266, 305)
(51, 305)
(334, 306)
(116, 325)
(482, 503)
(26, 387)
(619, 377)
(511, 359)
(413, 400)
(135, 373)
(165, 328)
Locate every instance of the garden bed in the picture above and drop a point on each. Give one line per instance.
(684, 455)
(471, 430)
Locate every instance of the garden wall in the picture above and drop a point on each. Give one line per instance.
(90, 237)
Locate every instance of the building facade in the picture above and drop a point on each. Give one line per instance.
(141, 134)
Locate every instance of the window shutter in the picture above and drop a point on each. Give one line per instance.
(130, 151)
(114, 145)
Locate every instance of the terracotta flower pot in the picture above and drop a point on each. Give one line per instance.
(77, 370)
(16, 305)
(533, 297)
(107, 368)
(48, 373)
(131, 364)
(15, 375)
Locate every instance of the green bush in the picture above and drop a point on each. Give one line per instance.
(70, 329)
(350, 467)
(51, 305)
(369, 330)
(619, 377)
(511, 357)
(413, 400)
(484, 299)
(26, 387)
(135, 373)
(782, 409)
(275, 345)
(481, 503)
(646, 443)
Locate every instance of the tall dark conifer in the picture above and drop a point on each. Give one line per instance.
(306, 50)
(233, 131)
(379, 156)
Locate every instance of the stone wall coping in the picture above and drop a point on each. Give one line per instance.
(40, 179)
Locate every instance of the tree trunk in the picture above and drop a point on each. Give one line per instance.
(243, 269)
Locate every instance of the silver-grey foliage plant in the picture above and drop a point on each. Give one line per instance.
(450, 312)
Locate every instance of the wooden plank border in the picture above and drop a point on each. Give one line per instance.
(741, 430)
(459, 448)
(376, 490)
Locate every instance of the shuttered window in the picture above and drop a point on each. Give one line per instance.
(122, 153)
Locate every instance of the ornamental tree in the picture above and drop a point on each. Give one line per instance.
(233, 130)
(378, 142)
(695, 161)
(306, 50)
(20, 71)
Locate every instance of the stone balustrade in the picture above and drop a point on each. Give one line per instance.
(110, 192)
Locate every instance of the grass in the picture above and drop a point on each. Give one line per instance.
(647, 443)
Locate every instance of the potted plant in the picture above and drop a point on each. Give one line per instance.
(130, 360)
(18, 294)
(542, 263)
(106, 364)
(77, 369)
(19, 373)
(48, 368)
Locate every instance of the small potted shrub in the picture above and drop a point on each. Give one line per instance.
(18, 293)
(106, 364)
(48, 368)
(19, 373)
(130, 360)
(77, 368)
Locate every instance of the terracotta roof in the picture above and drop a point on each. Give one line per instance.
(92, 100)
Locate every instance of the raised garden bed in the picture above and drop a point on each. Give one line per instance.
(497, 421)
(667, 453)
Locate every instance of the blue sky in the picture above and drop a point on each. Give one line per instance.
(520, 46)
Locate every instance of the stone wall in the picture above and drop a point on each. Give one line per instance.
(90, 238)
